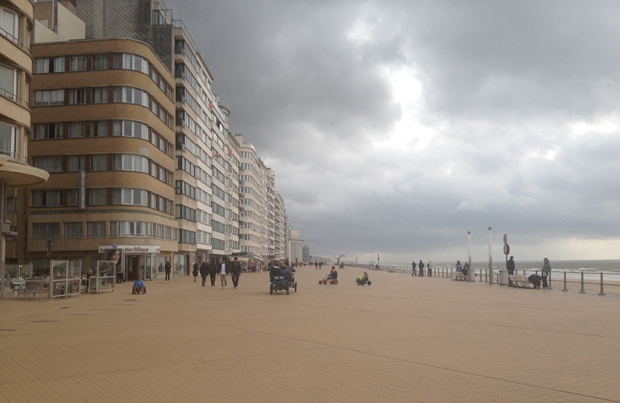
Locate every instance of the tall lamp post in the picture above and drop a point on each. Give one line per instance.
(471, 274)
(490, 258)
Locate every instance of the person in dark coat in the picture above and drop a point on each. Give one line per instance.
(421, 268)
(510, 266)
(168, 266)
(204, 271)
(195, 271)
(546, 271)
(212, 272)
(235, 270)
(535, 279)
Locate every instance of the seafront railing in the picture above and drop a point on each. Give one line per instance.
(583, 282)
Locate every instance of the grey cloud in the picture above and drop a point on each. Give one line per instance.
(502, 82)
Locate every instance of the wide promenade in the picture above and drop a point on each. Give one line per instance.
(403, 339)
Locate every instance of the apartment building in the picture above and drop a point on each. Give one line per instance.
(295, 246)
(16, 26)
(138, 145)
(262, 212)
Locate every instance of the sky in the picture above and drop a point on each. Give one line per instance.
(395, 127)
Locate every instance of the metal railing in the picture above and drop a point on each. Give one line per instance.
(583, 282)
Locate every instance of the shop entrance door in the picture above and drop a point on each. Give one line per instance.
(150, 271)
(135, 266)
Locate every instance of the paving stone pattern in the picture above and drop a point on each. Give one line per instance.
(403, 339)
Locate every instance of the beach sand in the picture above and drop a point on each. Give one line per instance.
(402, 339)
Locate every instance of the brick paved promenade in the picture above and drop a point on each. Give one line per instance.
(403, 339)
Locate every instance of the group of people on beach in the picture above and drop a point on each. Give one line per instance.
(224, 268)
(420, 273)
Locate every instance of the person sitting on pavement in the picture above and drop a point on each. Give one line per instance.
(138, 287)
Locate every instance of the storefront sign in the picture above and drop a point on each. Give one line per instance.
(129, 249)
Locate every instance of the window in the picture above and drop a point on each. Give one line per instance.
(98, 197)
(127, 162)
(77, 96)
(78, 63)
(8, 83)
(188, 237)
(45, 198)
(8, 140)
(49, 98)
(45, 230)
(136, 197)
(100, 95)
(131, 62)
(131, 95)
(50, 164)
(9, 25)
(49, 65)
(99, 162)
(128, 128)
(95, 229)
(48, 131)
(77, 130)
(99, 128)
(72, 197)
(72, 230)
(59, 65)
(76, 163)
(100, 62)
(41, 66)
(132, 228)
(11, 204)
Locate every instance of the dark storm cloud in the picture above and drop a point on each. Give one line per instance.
(501, 86)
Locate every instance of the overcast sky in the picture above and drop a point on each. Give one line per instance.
(395, 127)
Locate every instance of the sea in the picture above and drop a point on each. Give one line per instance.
(591, 269)
(569, 266)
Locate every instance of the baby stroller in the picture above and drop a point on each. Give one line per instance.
(361, 280)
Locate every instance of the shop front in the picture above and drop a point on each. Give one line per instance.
(133, 261)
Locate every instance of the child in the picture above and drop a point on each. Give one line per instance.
(138, 286)
(361, 280)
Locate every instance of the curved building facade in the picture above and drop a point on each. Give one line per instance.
(103, 127)
(16, 25)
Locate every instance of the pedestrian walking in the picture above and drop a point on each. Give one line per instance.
(167, 267)
(546, 272)
(212, 272)
(204, 271)
(235, 272)
(316, 265)
(413, 272)
(195, 271)
(429, 268)
(223, 273)
(421, 268)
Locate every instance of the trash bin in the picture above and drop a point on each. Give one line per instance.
(503, 277)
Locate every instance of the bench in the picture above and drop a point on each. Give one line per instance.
(520, 281)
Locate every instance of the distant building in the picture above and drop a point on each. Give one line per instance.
(306, 253)
(263, 216)
(295, 252)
